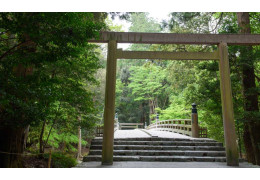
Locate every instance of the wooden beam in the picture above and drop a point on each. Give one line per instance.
(109, 113)
(173, 38)
(227, 107)
(167, 55)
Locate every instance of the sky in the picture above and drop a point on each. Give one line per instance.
(129, 6)
(157, 15)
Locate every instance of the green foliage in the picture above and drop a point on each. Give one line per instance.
(60, 160)
(176, 110)
(128, 109)
(63, 138)
(189, 22)
(47, 74)
(146, 81)
(62, 61)
(142, 23)
(112, 26)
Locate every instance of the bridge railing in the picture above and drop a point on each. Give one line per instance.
(100, 128)
(99, 131)
(203, 132)
(188, 127)
(130, 125)
(182, 126)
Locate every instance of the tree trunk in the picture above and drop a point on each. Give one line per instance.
(141, 110)
(11, 141)
(26, 134)
(248, 145)
(239, 141)
(13, 138)
(79, 156)
(150, 112)
(152, 105)
(155, 105)
(252, 126)
(41, 150)
(143, 114)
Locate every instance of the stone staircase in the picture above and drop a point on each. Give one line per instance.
(160, 149)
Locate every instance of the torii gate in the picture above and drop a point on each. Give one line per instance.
(222, 40)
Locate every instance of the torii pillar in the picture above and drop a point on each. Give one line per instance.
(227, 107)
(109, 112)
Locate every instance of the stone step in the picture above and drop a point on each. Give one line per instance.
(158, 139)
(162, 143)
(160, 149)
(157, 158)
(162, 153)
(148, 147)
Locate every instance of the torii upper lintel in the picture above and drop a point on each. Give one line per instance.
(175, 38)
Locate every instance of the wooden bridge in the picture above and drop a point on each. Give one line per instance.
(188, 127)
(181, 126)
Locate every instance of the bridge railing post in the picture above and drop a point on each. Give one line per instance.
(194, 122)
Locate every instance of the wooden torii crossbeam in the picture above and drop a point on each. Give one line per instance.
(222, 40)
(164, 55)
(175, 38)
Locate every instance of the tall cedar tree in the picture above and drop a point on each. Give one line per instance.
(252, 123)
(29, 42)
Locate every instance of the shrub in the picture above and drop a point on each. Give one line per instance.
(61, 160)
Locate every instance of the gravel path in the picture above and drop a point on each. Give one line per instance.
(142, 133)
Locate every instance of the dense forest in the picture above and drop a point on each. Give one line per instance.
(53, 81)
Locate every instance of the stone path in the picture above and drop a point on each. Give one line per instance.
(130, 134)
(165, 134)
(147, 133)
(138, 164)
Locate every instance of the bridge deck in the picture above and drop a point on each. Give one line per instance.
(147, 133)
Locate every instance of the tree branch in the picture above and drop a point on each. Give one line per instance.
(9, 51)
(7, 39)
(258, 78)
(56, 115)
(220, 19)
